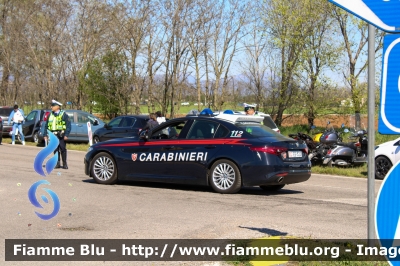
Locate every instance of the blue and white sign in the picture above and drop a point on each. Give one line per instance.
(383, 14)
(387, 213)
(389, 118)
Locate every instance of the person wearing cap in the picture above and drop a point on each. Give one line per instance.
(250, 110)
(58, 123)
(17, 117)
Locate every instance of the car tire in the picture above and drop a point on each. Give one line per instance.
(35, 137)
(96, 139)
(382, 167)
(104, 169)
(225, 177)
(272, 187)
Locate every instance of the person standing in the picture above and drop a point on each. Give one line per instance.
(152, 123)
(18, 118)
(58, 123)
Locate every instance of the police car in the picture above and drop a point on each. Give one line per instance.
(225, 152)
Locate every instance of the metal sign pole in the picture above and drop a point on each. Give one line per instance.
(371, 135)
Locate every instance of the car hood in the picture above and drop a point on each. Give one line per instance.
(389, 143)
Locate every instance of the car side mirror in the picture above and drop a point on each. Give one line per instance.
(95, 122)
(144, 135)
(106, 126)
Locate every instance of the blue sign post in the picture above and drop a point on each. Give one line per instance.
(383, 14)
(387, 213)
(389, 118)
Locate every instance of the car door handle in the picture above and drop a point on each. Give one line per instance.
(79, 125)
(211, 147)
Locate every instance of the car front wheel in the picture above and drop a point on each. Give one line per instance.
(382, 167)
(35, 137)
(104, 169)
(225, 177)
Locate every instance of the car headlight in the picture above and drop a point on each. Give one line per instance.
(90, 149)
(376, 147)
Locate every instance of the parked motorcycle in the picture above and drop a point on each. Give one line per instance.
(352, 153)
(317, 150)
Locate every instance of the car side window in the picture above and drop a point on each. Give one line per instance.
(222, 132)
(31, 116)
(127, 122)
(115, 122)
(82, 118)
(170, 131)
(71, 117)
(92, 119)
(202, 130)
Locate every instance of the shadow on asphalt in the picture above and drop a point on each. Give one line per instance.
(243, 191)
(268, 231)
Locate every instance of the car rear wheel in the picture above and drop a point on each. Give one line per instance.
(96, 139)
(225, 177)
(35, 137)
(104, 169)
(382, 167)
(272, 188)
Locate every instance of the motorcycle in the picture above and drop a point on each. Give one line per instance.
(349, 154)
(317, 149)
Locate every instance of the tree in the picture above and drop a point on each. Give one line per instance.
(354, 33)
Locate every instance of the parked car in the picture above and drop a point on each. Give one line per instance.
(185, 103)
(386, 155)
(5, 112)
(121, 127)
(33, 121)
(225, 153)
(79, 130)
(267, 119)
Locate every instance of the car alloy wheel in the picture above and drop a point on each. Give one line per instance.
(35, 137)
(104, 169)
(382, 167)
(225, 177)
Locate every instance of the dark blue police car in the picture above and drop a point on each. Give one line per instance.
(226, 152)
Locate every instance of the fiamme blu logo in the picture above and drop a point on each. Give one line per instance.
(38, 165)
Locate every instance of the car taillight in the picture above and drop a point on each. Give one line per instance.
(271, 150)
(329, 151)
(357, 144)
(1, 119)
(278, 131)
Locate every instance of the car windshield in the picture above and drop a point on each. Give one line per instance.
(5, 111)
(257, 130)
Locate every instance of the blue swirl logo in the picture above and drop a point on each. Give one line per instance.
(35, 202)
(51, 163)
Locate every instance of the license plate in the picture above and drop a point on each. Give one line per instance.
(295, 154)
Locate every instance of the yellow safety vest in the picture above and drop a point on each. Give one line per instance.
(55, 123)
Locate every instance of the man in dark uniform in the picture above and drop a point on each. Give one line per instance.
(58, 123)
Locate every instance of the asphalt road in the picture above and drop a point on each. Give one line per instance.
(324, 207)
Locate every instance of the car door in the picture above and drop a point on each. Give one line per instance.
(124, 129)
(110, 128)
(74, 124)
(197, 149)
(154, 159)
(29, 123)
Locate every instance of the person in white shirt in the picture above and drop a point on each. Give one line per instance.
(17, 117)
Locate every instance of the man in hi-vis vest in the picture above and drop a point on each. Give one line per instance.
(58, 123)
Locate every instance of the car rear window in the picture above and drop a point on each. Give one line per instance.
(257, 130)
(269, 122)
(5, 111)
